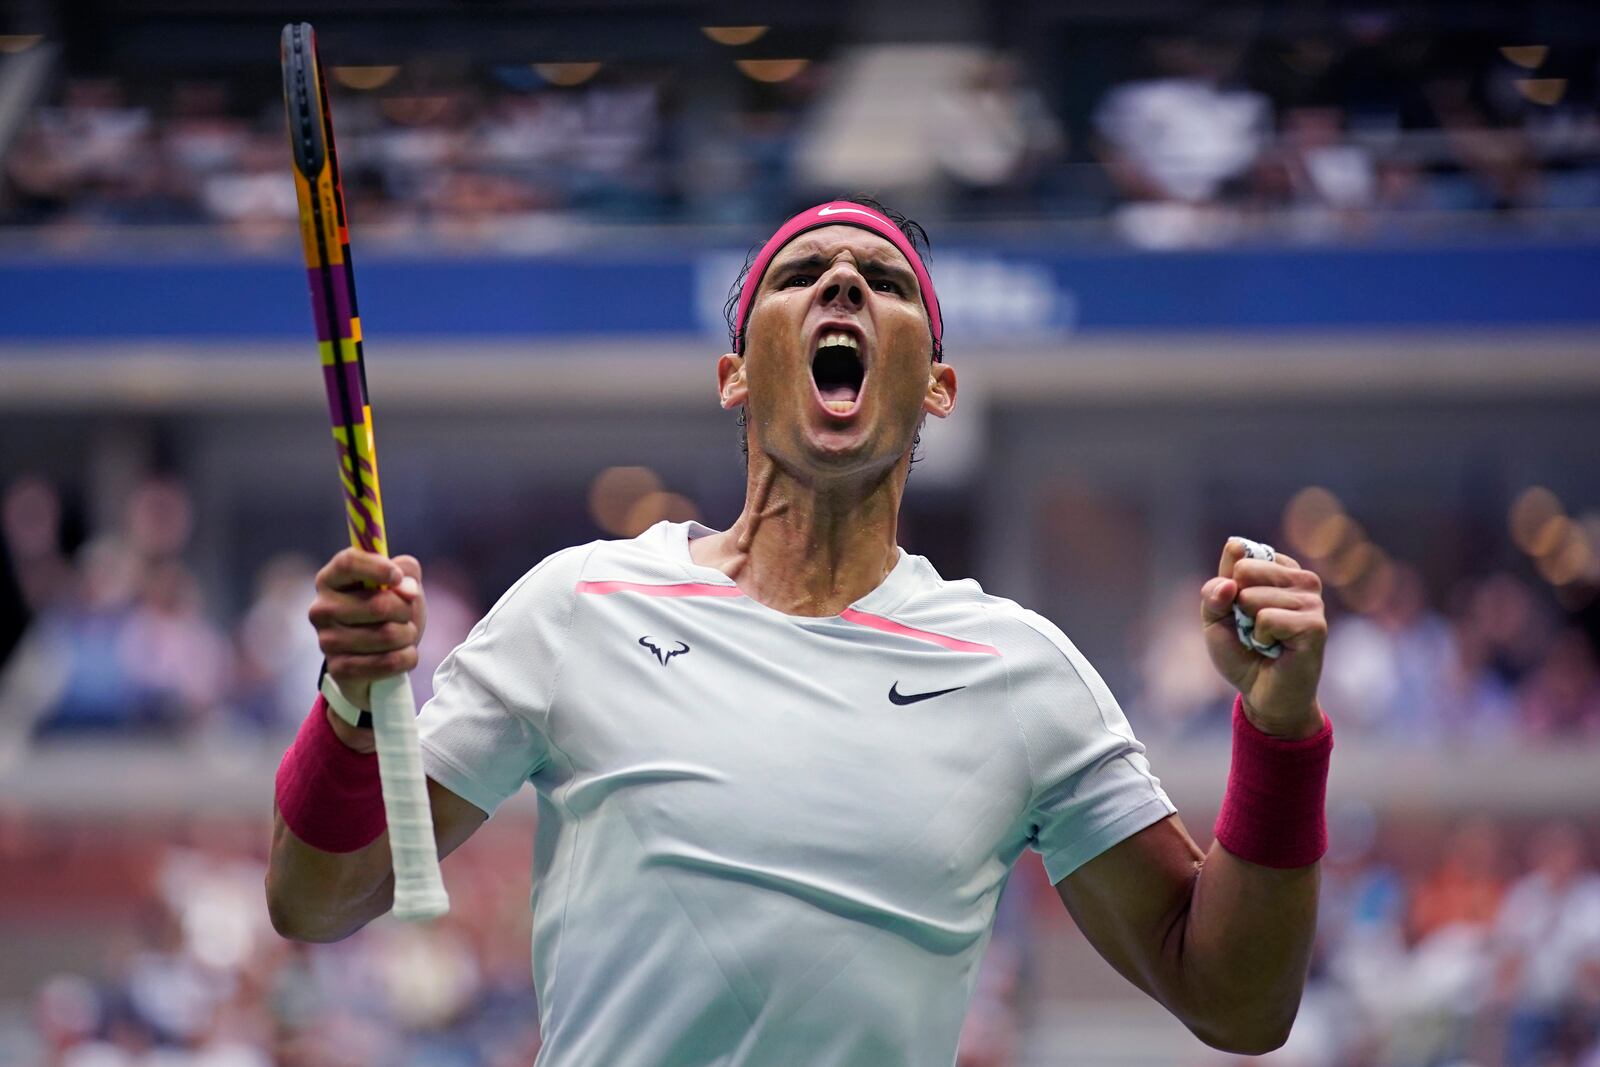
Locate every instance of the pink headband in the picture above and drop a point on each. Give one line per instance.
(838, 213)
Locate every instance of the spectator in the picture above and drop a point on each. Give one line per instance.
(1499, 632)
(1172, 142)
(122, 643)
(158, 518)
(30, 523)
(1548, 942)
(1331, 181)
(1179, 691)
(1465, 887)
(278, 654)
(199, 135)
(1389, 669)
(1561, 698)
(39, 187)
(84, 682)
(95, 126)
(177, 661)
(992, 137)
(254, 200)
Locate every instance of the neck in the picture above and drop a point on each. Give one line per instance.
(805, 547)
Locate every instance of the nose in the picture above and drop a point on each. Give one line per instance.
(844, 285)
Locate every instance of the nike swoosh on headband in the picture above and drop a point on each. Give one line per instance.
(822, 215)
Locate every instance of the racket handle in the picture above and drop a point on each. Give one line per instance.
(418, 887)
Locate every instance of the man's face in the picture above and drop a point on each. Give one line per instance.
(837, 369)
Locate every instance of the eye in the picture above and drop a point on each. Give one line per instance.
(797, 280)
(884, 285)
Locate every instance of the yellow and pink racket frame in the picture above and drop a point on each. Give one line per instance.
(419, 891)
(325, 239)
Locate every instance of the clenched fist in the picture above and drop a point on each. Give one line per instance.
(369, 615)
(1280, 695)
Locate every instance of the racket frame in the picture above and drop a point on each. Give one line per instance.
(419, 891)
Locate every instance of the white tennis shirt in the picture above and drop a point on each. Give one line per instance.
(767, 840)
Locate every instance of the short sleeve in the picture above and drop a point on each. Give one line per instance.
(486, 729)
(1091, 784)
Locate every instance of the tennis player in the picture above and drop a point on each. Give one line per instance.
(784, 769)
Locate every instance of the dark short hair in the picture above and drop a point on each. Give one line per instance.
(914, 233)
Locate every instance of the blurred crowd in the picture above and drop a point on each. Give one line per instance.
(117, 637)
(122, 641)
(199, 979)
(1476, 945)
(460, 165)
(1188, 138)
(1316, 138)
(1464, 942)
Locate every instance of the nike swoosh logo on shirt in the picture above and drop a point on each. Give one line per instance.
(897, 697)
(842, 210)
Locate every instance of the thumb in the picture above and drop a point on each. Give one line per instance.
(410, 585)
(1216, 599)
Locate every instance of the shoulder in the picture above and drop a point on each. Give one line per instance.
(1054, 693)
(558, 577)
(551, 578)
(1023, 638)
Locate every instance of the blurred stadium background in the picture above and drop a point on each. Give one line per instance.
(1321, 273)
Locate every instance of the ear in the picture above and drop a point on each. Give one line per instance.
(731, 387)
(941, 398)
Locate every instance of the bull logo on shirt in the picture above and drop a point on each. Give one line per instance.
(664, 655)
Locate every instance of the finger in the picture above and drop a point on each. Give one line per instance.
(1232, 553)
(1251, 572)
(410, 585)
(364, 640)
(1216, 599)
(1255, 598)
(359, 607)
(1294, 629)
(372, 666)
(353, 567)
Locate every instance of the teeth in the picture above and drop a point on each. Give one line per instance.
(841, 406)
(838, 337)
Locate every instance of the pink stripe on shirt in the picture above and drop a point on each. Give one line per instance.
(860, 618)
(889, 626)
(680, 589)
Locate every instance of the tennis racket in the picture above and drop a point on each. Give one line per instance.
(418, 888)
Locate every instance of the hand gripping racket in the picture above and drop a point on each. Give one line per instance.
(418, 888)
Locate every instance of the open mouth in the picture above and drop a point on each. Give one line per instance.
(838, 371)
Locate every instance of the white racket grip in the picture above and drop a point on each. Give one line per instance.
(418, 887)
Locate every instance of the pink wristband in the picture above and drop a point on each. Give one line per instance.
(328, 793)
(1274, 812)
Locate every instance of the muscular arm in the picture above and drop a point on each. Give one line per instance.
(1222, 943)
(326, 896)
